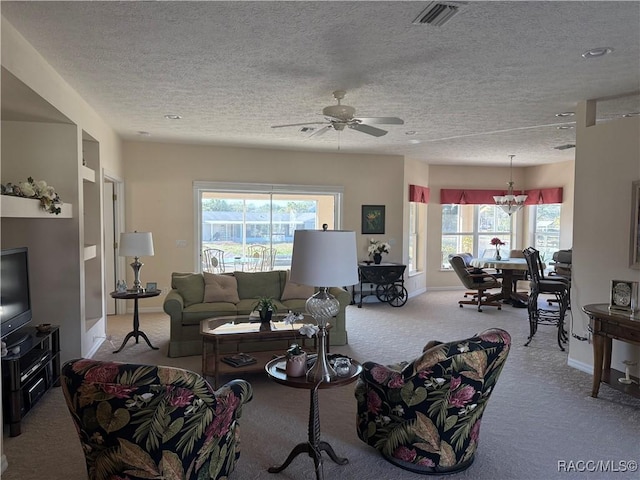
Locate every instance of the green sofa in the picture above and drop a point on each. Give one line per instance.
(197, 296)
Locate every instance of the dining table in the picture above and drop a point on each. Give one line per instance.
(507, 267)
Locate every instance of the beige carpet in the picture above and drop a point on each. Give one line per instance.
(540, 412)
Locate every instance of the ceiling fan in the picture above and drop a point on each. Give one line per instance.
(340, 116)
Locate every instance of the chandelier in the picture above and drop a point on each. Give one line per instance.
(510, 203)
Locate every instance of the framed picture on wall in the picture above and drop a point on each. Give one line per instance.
(634, 260)
(372, 219)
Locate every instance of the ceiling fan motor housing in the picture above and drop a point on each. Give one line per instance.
(342, 112)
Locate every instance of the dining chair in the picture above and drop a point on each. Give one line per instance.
(477, 282)
(213, 260)
(256, 255)
(544, 286)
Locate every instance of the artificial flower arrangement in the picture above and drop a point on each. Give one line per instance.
(376, 246)
(308, 329)
(49, 199)
(497, 242)
(296, 365)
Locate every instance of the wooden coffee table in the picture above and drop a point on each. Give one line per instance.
(313, 446)
(219, 341)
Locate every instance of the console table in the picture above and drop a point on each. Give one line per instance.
(606, 325)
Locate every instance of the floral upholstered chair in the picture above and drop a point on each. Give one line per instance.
(146, 421)
(424, 415)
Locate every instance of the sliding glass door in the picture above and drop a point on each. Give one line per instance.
(253, 225)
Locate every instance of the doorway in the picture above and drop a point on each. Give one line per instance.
(113, 215)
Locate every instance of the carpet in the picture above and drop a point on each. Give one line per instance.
(541, 412)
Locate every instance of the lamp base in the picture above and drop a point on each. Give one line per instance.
(137, 285)
(321, 371)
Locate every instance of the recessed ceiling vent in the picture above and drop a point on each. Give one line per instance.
(565, 147)
(437, 13)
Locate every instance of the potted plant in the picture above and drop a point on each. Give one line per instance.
(266, 307)
(296, 361)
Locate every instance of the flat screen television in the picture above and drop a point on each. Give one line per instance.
(15, 296)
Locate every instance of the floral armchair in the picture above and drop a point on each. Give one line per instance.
(424, 416)
(147, 421)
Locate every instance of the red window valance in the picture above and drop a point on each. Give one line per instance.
(485, 197)
(418, 194)
(468, 197)
(539, 196)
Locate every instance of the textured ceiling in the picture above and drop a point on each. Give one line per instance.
(485, 85)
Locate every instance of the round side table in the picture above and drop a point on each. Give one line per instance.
(136, 332)
(313, 446)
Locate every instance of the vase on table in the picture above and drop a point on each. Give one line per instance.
(498, 257)
(377, 258)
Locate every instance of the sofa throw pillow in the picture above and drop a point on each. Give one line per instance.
(258, 284)
(190, 286)
(295, 290)
(220, 288)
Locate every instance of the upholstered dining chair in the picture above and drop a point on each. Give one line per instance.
(477, 281)
(424, 415)
(146, 421)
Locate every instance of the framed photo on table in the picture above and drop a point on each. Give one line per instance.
(634, 260)
(372, 219)
(151, 286)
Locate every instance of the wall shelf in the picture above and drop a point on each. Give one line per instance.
(20, 207)
(88, 175)
(90, 251)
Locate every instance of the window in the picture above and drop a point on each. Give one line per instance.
(546, 229)
(415, 240)
(470, 228)
(232, 217)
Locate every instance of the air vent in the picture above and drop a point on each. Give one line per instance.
(565, 147)
(437, 13)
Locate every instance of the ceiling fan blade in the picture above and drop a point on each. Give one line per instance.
(376, 132)
(298, 124)
(320, 131)
(381, 120)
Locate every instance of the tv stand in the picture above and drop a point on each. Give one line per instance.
(28, 374)
(16, 339)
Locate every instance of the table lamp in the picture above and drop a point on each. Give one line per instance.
(136, 245)
(323, 259)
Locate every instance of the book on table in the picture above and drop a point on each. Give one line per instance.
(239, 359)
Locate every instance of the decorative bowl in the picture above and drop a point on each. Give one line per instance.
(43, 327)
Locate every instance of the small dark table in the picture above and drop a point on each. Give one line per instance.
(136, 332)
(313, 446)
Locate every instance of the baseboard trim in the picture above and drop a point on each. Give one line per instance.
(583, 367)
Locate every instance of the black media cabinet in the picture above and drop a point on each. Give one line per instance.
(28, 374)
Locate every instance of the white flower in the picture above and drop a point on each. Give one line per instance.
(40, 186)
(27, 189)
(376, 246)
(309, 330)
(463, 347)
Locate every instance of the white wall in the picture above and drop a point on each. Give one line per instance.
(607, 162)
(159, 191)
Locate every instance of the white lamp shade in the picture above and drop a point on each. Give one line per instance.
(324, 258)
(136, 244)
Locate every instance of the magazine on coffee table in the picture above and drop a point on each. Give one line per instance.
(239, 360)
